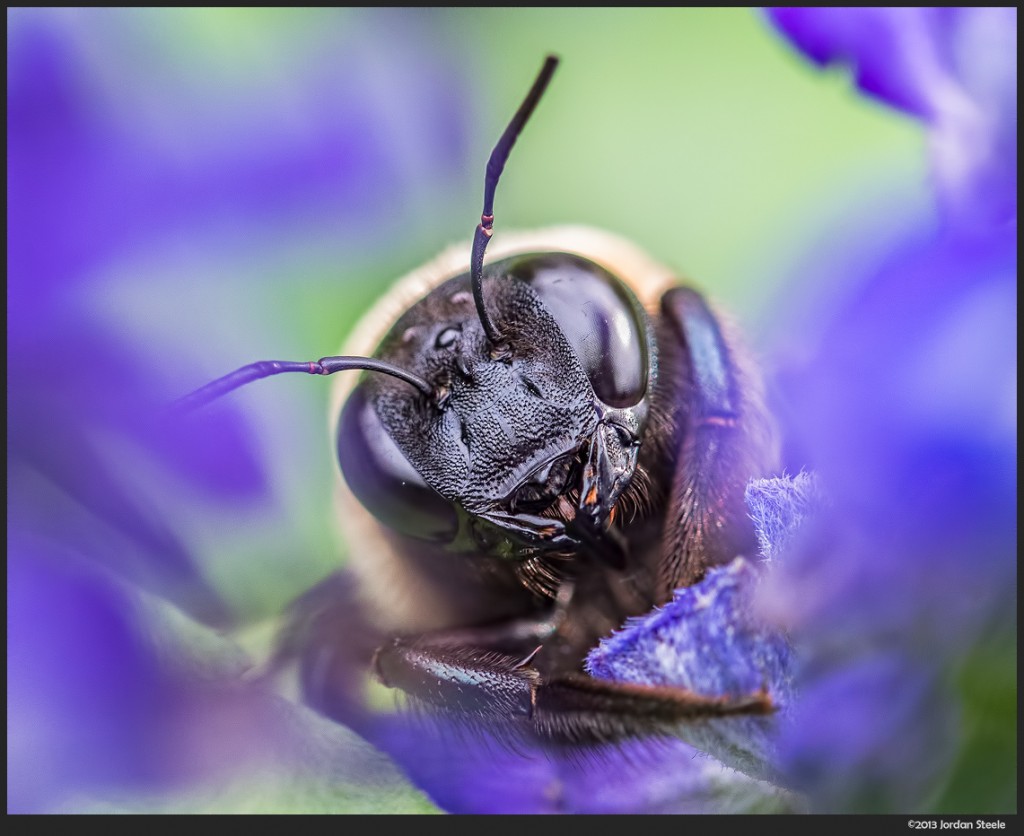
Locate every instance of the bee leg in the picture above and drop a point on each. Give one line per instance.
(470, 683)
(531, 530)
(462, 680)
(724, 438)
(330, 640)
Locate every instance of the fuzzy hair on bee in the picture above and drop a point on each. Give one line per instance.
(541, 446)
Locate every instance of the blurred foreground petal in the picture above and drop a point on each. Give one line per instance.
(954, 68)
(908, 414)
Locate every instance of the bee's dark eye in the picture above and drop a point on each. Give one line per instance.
(600, 318)
(384, 481)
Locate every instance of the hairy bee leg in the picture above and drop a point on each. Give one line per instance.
(413, 664)
(331, 638)
(466, 681)
(726, 439)
(470, 683)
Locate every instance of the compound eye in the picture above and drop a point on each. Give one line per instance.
(601, 319)
(384, 481)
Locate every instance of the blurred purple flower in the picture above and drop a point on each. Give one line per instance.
(907, 411)
(96, 708)
(908, 414)
(470, 772)
(95, 178)
(953, 68)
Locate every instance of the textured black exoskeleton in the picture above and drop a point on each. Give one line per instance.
(559, 439)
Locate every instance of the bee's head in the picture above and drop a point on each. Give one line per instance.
(526, 444)
(505, 410)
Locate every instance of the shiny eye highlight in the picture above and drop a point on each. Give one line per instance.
(599, 316)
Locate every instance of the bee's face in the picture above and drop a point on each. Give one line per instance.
(546, 425)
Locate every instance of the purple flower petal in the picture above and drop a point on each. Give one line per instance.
(779, 507)
(909, 411)
(895, 54)
(874, 735)
(954, 68)
(705, 641)
(469, 771)
(95, 708)
(908, 415)
(89, 183)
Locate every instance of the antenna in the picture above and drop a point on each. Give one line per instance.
(265, 368)
(329, 365)
(495, 165)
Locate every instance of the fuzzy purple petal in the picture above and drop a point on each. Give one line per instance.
(705, 642)
(779, 507)
(709, 639)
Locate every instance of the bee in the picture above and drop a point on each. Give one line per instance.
(539, 447)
